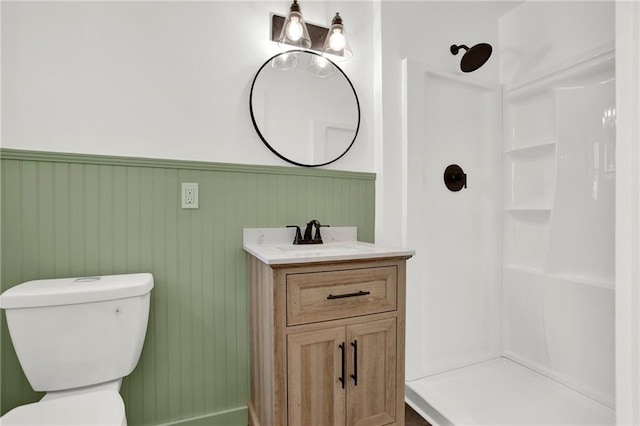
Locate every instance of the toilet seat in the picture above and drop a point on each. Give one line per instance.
(101, 408)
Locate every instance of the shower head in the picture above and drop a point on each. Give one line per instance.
(474, 57)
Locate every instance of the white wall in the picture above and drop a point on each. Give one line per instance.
(157, 79)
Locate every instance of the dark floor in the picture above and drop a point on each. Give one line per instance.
(412, 418)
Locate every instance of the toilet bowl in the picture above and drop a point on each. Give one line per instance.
(92, 330)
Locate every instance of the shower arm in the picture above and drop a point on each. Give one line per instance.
(455, 49)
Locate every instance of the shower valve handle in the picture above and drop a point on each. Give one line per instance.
(455, 178)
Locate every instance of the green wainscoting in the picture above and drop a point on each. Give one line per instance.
(66, 215)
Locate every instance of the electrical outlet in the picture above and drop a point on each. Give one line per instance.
(189, 195)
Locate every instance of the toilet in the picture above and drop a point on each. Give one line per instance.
(76, 338)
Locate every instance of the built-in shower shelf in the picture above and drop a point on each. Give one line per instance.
(532, 150)
(580, 279)
(525, 210)
(574, 71)
(529, 175)
(526, 234)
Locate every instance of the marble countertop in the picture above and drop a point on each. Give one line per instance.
(274, 246)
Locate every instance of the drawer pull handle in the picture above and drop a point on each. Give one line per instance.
(342, 296)
(354, 376)
(341, 378)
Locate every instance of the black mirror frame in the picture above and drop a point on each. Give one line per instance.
(255, 125)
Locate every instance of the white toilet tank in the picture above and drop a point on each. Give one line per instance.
(76, 332)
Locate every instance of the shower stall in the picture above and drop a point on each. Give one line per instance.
(511, 303)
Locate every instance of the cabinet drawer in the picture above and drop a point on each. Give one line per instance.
(321, 296)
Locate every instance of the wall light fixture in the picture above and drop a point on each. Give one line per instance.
(336, 43)
(292, 30)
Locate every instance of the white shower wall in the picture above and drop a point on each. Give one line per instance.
(453, 296)
(557, 67)
(452, 243)
(519, 264)
(422, 30)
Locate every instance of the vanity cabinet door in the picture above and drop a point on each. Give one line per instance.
(315, 392)
(371, 396)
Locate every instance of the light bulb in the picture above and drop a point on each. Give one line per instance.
(337, 40)
(294, 30)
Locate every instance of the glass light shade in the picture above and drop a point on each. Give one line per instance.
(294, 30)
(336, 45)
(321, 67)
(285, 62)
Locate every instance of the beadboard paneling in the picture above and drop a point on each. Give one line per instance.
(74, 215)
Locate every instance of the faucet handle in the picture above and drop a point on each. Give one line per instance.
(318, 226)
(298, 236)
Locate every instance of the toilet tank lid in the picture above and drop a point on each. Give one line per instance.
(70, 291)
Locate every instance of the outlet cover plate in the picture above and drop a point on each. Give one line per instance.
(189, 195)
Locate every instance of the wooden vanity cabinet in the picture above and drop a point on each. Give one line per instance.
(327, 343)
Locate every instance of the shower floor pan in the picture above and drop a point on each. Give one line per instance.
(502, 392)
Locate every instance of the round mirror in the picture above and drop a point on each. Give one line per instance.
(304, 108)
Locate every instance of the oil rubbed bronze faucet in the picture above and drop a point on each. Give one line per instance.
(307, 238)
(317, 239)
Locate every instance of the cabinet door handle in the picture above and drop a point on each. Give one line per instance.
(341, 378)
(342, 296)
(354, 376)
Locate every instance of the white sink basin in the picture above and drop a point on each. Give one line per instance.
(326, 249)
